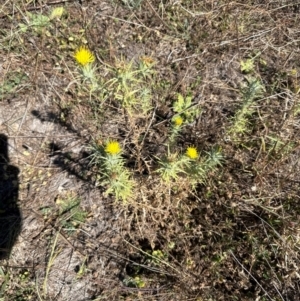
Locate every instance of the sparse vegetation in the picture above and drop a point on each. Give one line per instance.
(109, 162)
(155, 147)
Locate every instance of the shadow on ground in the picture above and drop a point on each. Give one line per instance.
(10, 216)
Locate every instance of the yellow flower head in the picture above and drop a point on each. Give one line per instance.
(84, 56)
(192, 152)
(178, 120)
(113, 147)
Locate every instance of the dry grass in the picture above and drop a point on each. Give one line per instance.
(217, 230)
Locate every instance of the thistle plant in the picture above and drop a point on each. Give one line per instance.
(200, 166)
(190, 164)
(277, 146)
(247, 66)
(196, 167)
(56, 13)
(185, 108)
(114, 173)
(85, 59)
(241, 125)
(84, 56)
(192, 153)
(172, 166)
(145, 99)
(186, 113)
(145, 67)
(38, 22)
(129, 85)
(176, 127)
(70, 213)
(124, 84)
(214, 158)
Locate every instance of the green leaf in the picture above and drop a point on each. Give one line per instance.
(247, 66)
(23, 27)
(179, 104)
(188, 101)
(56, 13)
